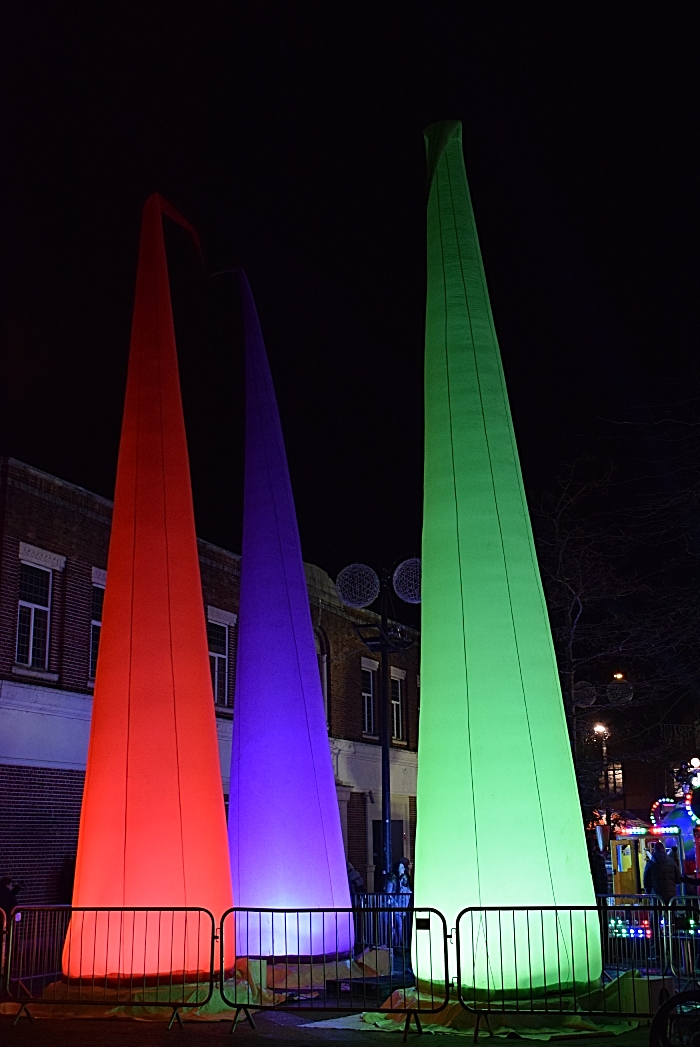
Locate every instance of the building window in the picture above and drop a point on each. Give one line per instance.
(33, 617)
(397, 710)
(369, 688)
(217, 635)
(98, 596)
(611, 781)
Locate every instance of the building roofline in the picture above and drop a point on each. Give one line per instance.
(319, 582)
(56, 480)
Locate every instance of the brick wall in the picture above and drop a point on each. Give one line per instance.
(39, 815)
(346, 651)
(63, 519)
(39, 808)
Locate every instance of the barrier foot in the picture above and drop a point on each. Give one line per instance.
(24, 1009)
(175, 1015)
(477, 1023)
(419, 1027)
(248, 1018)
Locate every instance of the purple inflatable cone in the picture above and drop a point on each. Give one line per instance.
(284, 824)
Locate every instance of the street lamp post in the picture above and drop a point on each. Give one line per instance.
(358, 586)
(602, 732)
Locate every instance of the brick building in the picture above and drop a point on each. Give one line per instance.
(54, 538)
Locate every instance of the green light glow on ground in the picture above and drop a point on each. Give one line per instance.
(499, 821)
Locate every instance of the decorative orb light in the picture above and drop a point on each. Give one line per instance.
(695, 762)
(600, 728)
(357, 585)
(406, 580)
(620, 691)
(584, 694)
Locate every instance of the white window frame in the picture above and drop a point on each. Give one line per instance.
(33, 556)
(369, 699)
(95, 623)
(224, 619)
(397, 708)
(33, 607)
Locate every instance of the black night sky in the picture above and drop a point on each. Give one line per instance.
(291, 135)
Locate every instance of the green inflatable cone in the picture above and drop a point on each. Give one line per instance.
(499, 821)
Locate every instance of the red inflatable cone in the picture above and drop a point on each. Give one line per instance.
(152, 828)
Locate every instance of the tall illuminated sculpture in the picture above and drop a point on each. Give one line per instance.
(498, 815)
(284, 824)
(152, 828)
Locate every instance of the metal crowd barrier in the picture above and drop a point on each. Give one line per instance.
(380, 919)
(59, 955)
(609, 960)
(318, 960)
(683, 934)
(614, 959)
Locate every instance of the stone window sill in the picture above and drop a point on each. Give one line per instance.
(34, 674)
(370, 737)
(401, 742)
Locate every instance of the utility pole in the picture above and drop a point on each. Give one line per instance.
(385, 726)
(382, 640)
(359, 586)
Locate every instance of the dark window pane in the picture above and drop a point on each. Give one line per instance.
(94, 648)
(397, 710)
(98, 597)
(221, 681)
(212, 667)
(34, 585)
(40, 633)
(217, 638)
(24, 623)
(367, 682)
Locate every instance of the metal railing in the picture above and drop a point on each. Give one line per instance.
(317, 960)
(382, 919)
(140, 957)
(614, 959)
(682, 922)
(609, 960)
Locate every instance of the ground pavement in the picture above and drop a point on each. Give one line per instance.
(271, 1028)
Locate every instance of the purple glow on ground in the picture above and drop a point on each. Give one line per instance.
(285, 837)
